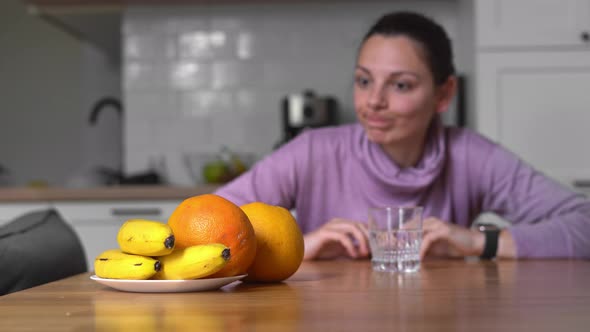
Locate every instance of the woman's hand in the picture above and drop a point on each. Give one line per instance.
(443, 239)
(337, 238)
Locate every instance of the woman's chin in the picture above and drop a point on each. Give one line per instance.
(384, 138)
(377, 136)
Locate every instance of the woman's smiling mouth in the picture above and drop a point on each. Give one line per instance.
(377, 122)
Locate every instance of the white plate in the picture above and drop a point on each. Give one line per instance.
(166, 286)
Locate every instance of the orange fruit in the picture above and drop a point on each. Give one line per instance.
(211, 218)
(279, 249)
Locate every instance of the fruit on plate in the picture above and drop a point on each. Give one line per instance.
(226, 166)
(145, 237)
(216, 171)
(115, 264)
(193, 262)
(237, 165)
(210, 218)
(280, 248)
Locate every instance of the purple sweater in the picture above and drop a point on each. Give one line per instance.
(337, 172)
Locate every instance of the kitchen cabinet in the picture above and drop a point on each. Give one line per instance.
(532, 23)
(536, 104)
(12, 210)
(533, 99)
(97, 222)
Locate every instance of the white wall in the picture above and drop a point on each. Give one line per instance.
(48, 81)
(196, 78)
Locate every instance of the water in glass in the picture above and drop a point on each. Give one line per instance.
(396, 250)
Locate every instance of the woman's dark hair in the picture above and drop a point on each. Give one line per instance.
(429, 34)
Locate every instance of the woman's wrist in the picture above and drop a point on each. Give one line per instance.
(505, 248)
(479, 242)
(506, 245)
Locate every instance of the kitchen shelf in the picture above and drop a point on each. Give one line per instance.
(143, 192)
(87, 3)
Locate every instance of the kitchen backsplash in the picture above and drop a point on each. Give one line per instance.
(200, 77)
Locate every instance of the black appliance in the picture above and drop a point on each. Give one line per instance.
(306, 110)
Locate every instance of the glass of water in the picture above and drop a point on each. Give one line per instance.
(395, 236)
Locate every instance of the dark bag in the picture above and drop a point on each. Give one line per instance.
(37, 248)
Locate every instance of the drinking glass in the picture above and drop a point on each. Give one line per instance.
(395, 236)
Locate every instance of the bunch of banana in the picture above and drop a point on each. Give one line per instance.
(115, 264)
(193, 262)
(145, 237)
(147, 251)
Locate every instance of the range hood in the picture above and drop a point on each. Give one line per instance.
(99, 25)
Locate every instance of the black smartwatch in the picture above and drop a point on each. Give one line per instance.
(492, 233)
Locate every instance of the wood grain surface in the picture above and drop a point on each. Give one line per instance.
(126, 192)
(446, 295)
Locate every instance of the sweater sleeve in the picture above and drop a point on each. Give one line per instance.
(548, 220)
(272, 180)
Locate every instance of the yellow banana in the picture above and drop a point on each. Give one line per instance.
(193, 262)
(115, 264)
(145, 237)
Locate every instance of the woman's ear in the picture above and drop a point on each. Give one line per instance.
(445, 94)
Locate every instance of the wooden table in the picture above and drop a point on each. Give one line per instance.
(446, 295)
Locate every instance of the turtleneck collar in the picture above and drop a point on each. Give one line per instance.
(386, 173)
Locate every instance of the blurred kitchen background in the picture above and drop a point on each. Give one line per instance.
(94, 90)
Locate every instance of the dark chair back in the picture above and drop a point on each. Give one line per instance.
(37, 248)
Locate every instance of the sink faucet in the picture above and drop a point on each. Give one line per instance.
(101, 104)
(110, 176)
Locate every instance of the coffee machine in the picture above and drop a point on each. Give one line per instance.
(306, 110)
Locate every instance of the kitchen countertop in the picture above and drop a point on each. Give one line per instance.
(138, 192)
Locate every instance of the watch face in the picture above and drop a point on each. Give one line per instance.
(487, 227)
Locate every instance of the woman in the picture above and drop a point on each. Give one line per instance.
(400, 154)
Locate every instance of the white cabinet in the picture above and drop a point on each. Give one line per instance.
(538, 105)
(535, 100)
(97, 222)
(10, 211)
(532, 23)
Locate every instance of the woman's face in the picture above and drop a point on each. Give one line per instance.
(394, 92)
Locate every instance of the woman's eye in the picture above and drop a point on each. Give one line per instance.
(362, 81)
(402, 86)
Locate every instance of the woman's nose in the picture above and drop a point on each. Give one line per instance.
(377, 99)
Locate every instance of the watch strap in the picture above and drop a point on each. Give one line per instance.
(490, 248)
